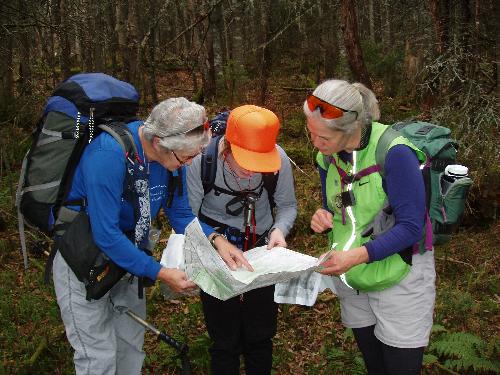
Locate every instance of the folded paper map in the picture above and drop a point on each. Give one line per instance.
(206, 268)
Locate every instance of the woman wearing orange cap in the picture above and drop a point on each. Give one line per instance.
(238, 205)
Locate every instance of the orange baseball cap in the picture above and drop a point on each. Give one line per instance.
(252, 133)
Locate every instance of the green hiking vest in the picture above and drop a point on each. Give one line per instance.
(370, 198)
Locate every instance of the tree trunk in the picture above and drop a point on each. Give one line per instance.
(265, 51)
(85, 25)
(63, 31)
(132, 42)
(146, 49)
(441, 18)
(303, 46)
(387, 31)
(351, 42)
(113, 38)
(440, 15)
(220, 42)
(477, 26)
(25, 78)
(98, 22)
(465, 33)
(152, 68)
(371, 21)
(121, 33)
(211, 79)
(47, 51)
(237, 42)
(207, 61)
(331, 39)
(6, 71)
(412, 68)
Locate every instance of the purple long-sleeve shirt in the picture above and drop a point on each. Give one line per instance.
(404, 186)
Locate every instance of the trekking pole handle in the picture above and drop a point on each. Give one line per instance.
(250, 200)
(180, 346)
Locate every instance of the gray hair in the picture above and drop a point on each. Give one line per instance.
(171, 120)
(352, 97)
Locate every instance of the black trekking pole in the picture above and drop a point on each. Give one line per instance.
(181, 347)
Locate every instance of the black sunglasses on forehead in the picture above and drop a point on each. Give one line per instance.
(196, 130)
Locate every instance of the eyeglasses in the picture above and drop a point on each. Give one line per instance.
(196, 130)
(182, 162)
(327, 110)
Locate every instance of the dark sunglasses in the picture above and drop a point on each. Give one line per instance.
(194, 131)
(327, 110)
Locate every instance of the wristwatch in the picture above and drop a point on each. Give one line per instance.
(212, 240)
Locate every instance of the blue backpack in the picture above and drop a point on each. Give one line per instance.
(78, 110)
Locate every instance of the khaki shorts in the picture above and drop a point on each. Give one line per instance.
(402, 314)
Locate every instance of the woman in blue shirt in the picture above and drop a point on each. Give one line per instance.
(106, 342)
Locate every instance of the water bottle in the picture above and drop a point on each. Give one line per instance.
(452, 173)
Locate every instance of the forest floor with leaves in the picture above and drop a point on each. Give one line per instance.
(310, 340)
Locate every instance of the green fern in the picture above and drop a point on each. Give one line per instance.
(342, 356)
(438, 328)
(345, 362)
(464, 351)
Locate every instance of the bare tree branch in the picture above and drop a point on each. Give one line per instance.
(266, 43)
(200, 19)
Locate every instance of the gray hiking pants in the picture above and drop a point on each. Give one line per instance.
(104, 341)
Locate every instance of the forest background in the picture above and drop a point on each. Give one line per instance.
(433, 60)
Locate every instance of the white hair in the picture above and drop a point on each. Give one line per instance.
(170, 119)
(351, 97)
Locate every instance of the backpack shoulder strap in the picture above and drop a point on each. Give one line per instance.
(383, 144)
(174, 183)
(209, 164)
(120, 132)
(270, 181)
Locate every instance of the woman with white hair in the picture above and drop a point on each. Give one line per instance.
(386, 290)
(105, 341)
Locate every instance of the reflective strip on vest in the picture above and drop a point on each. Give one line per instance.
(351, 239)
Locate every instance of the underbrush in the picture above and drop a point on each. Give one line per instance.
(309, 340)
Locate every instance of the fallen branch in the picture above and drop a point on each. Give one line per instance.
(445, 369)
(456, 261)
(43, 345)
(300, 169)
(39, 350)
(288, 88)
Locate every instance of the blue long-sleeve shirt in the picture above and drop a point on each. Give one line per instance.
(405, 190)
(99, 178)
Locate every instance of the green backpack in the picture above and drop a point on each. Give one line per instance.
(444, 209)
